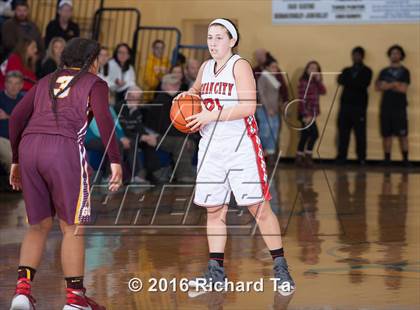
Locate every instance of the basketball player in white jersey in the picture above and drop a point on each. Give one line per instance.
(230, 157)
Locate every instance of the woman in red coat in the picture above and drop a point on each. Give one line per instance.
(22, 59)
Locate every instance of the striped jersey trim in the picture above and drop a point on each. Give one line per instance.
(252, 132)
(83, 202)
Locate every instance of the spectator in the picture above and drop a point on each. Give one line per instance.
(191, 70)
(9, 98)
(172, 140)
(18, 27)
(23, 59)
(268, 113)
(178, 70)
(103, 71)
(131, 118)
(121, 75)
(62, 26)
(52, 58)
(157, 66)
(393, 81)
(283, 90)
(353, 105)
(309, 89)
(260, 55)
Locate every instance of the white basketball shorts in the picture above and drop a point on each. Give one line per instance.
(234, 164)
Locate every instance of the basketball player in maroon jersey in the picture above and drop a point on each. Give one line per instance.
(47, 130)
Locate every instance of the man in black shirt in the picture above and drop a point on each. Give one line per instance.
(353, 105)
(393, 81)
(62, 26)
(131, 117)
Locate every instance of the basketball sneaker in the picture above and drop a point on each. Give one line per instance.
(285, 284)
(23, 299)
(77, 300)
(202, 285)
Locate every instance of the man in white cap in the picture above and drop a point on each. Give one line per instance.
(62, 26)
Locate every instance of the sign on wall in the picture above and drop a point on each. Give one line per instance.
(345, 11)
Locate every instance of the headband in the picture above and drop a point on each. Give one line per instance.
(228, 25)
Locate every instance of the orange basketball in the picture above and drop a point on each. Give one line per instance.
(183, 108)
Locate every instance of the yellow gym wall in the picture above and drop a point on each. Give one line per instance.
(294, 46)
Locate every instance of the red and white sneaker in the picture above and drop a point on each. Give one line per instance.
(23, 299)
(77, 300)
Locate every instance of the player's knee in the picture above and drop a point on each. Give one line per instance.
(216, 214)
(67, 228)
(43, 227)
(260, 212)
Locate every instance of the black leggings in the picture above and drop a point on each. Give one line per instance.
(308, 137)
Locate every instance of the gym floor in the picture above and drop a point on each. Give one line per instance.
(351, 238)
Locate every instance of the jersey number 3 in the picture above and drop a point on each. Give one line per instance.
(63, 81)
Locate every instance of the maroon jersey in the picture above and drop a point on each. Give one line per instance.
(75, 108)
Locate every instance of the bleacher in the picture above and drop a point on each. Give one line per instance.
(113, 25)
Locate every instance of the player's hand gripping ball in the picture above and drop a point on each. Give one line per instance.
(184, 106)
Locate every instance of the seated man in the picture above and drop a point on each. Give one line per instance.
(131, 119)
(9, 98)
(172, 140)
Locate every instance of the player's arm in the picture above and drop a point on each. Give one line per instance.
(103, 117)
(247, 95)
(17, 124)
(400, 87)
(381, 84)
(344, 77)
(396, 86)
(100, 108)
(19, 120)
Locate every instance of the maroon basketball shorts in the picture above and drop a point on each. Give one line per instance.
(54, 174)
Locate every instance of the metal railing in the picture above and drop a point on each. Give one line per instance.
(198, 52)
(112, 26)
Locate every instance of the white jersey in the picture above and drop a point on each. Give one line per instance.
(218, 89)
(230, 155)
